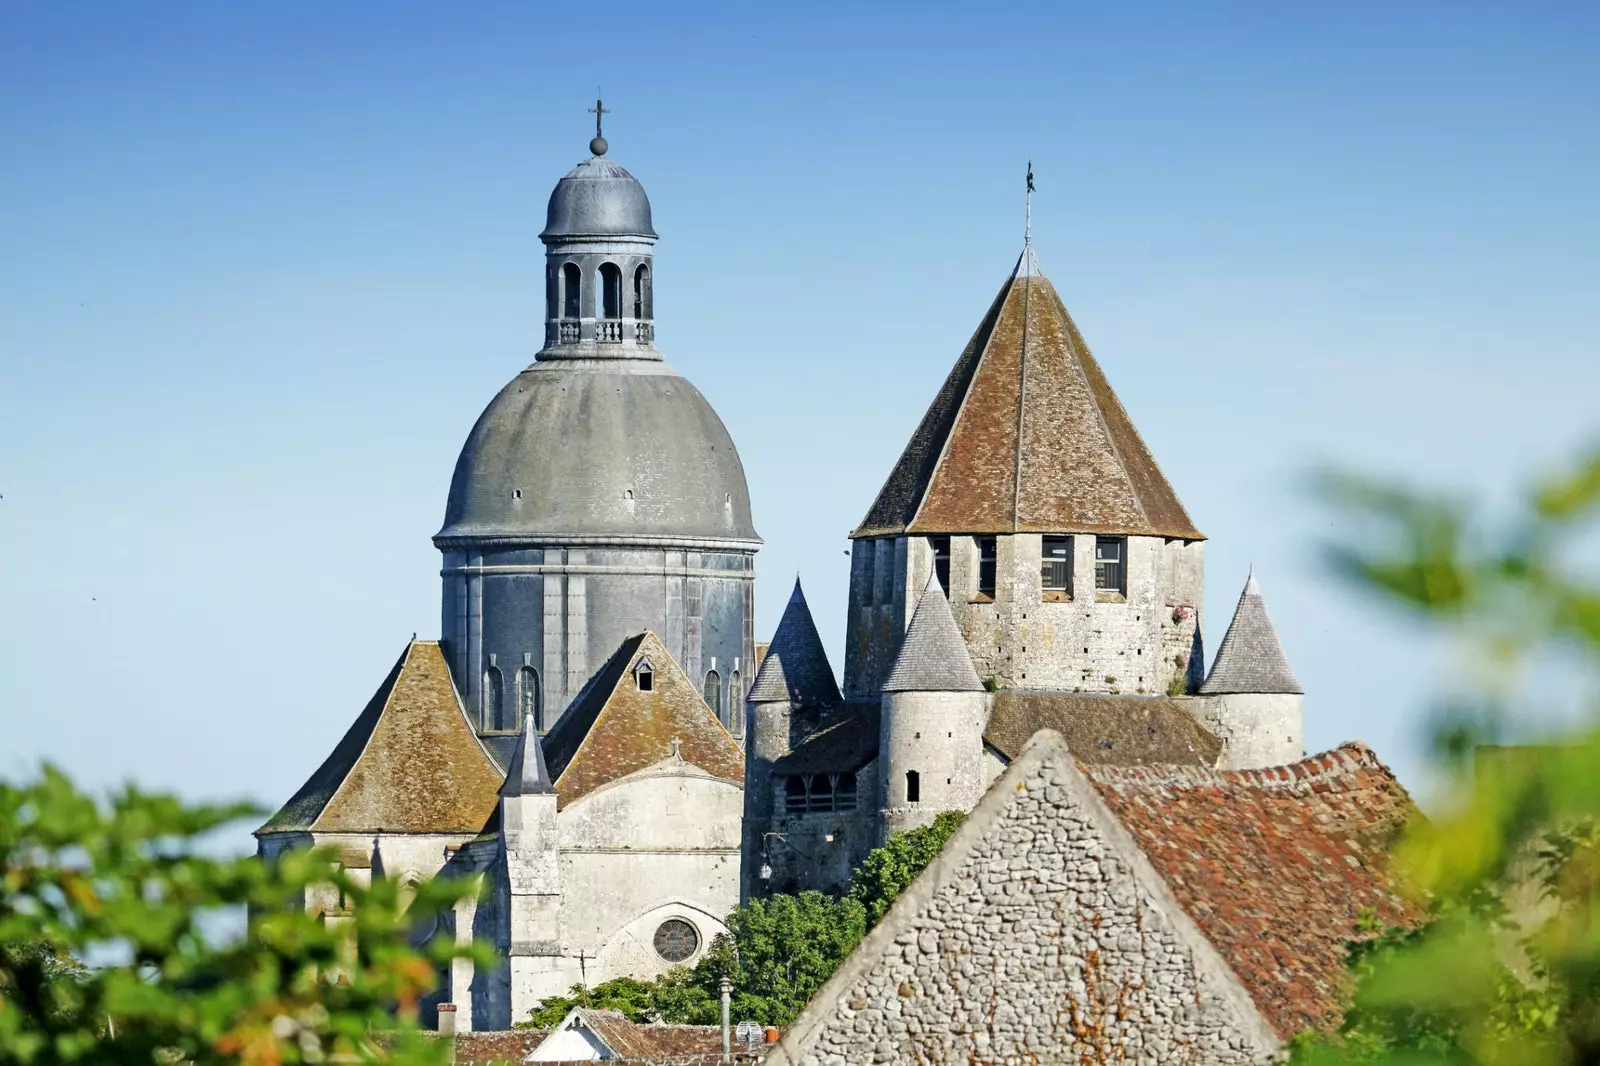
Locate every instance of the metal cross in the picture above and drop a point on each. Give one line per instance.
(599, 111)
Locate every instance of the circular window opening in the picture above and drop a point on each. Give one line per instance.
(676, 940)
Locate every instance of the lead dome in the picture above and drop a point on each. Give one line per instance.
(598, 198)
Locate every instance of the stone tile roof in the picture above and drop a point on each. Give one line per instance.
(795, 666)
(1102, 729)
(496, 1047)
(527, 775)
(1275, 866)
(1250, 658)
(843, 743)
(1027, 438)
(662, 1045)
(933, 656)
(411, 762)
(612, 729)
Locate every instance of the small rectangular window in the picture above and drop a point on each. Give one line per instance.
(986, 565)
(1056, 568)
(913, 787)
(1110, 564)
(941, 561)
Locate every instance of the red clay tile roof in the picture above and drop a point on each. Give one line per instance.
(410, 763)
(1275, 866)
(1027, 439)
(612, 729)
(663, 1045)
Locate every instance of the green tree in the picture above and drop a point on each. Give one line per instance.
(886, 871)
(129, 885)
(1506, 968)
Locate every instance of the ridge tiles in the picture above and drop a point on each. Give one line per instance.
(1026, 435)
(1250, 657)
(933, 655)
(796, 665)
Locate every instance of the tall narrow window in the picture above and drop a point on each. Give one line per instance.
(735, 705)
(821, 794)
(712, 689)
(986, 565)
(494, 700)
(641, 292)
(1056, 568)
(869, 558)
(1110, 564)
(794, 795)
(941, 561)
(610, 291)
(913, 787)
(571, 290)
(528, 701)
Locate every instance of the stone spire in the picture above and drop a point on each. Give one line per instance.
(527, 775)
(1250, 658)
(796, 668)
(933, 656)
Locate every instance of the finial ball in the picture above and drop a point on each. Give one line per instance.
(598, 146)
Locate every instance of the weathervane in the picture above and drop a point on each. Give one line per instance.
(599, 111)
(1027, 226)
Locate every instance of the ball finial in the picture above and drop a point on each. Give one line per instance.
(598, 146)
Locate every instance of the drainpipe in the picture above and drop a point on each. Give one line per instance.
(727, 1034)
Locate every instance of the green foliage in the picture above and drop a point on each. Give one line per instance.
(128, 884)
(628, 996)
(886, 871)
(1506, 967)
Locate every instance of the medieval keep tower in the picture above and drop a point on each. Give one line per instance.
(599, 495)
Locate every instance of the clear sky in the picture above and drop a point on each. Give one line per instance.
(262, 265)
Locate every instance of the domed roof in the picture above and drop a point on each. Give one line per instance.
(598, 199)
(573, 450)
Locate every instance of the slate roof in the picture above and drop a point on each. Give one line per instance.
(1027, 438)
(842, 744)
(612, 729)
(933, 656)
(1275, 866)
(1101, 729)
(795, 666)
(411, 762)
(1250, 658)
(527, 775)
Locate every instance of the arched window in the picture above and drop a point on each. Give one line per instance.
(794, 795)
(641, 292)
(610, 291)
(713, 693)
(913, 787)
(494, 699)
(571, 289)
(735, 702)
(821, 793)
(528, 701)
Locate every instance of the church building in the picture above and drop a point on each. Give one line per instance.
(592, 739)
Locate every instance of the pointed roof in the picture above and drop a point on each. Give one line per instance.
(612, 729)
(796, 666)
(1026, 436)
(933, 655)
(1250, 659)
(411, 762)
(528, 776)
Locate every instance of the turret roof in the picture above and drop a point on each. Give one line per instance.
(528, 775)
(1250, 659)
(933, 655)
(796, 666)
(1026, 436)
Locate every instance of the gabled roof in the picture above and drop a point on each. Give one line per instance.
(411, 762)
(933, 656)
(1102, 729)
(1250, 658)
(795, 667)
(1026, 436)
(612, 729)
(1276, 866)
(629, 1041)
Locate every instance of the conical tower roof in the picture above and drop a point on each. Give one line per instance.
(1250, 658)
(528, 775)
(796, 668)
(933, 656)
(1027, 436)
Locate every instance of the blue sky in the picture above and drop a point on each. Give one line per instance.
(261, 266)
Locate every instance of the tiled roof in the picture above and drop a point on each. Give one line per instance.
(1275, 866)
(842, 744)
(1250, 658)
(612, 729)
(527, 775)
(933, 657)
(662, 1045)
(1026, 435)
(795, 667)
(1103, 730)
(411, 762)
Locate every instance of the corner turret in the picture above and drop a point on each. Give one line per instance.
(1251, 700)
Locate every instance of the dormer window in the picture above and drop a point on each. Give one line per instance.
(644, 675)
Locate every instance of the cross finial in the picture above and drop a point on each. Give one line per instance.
(1027, 227)
(599, 111)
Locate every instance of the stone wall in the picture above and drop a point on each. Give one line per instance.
(1041, 935)
(1256, 729)
(939, 737)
